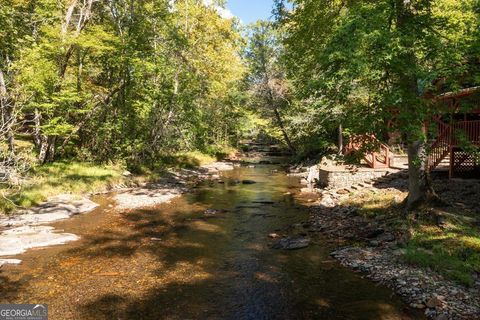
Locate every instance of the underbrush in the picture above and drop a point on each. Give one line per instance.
(181, 160)
(446, 241)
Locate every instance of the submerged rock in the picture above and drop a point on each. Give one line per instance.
(145, 197)
(310, 190)
(263, 202)
(212, 212)
(291, 243)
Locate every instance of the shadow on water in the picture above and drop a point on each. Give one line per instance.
(178, 262)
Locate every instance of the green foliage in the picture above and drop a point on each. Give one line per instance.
(268, 87)
(125, 80)
(363, 63)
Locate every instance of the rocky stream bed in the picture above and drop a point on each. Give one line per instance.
(368, 247)
(373, 249)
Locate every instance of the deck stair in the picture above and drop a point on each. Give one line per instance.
(377, 159)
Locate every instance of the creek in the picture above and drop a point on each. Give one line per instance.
(205, 255)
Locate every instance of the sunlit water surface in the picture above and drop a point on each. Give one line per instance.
(176, 262)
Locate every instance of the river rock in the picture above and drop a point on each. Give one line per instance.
(327, 201)
(9, 261)
(386, 237)
(375, 233)
(434, 302)
(343, 191)
(56, 208)
(218, 166)
(18, 240)
(213, 212)
(145, 197)
(291, 243)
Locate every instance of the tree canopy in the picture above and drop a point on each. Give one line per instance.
(122, 79)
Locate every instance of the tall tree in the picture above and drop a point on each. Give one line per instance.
(123, 79)
(266, 77)
(378, 59)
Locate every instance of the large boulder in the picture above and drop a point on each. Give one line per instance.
(328, 162)
(313, 175)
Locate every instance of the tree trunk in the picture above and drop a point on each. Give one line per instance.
(412, 117)
(284, 131)
(51, 149)
(417, 176)
(8, 116)
(11, 141)
(37, 139)
(43, 149)
(340, 139)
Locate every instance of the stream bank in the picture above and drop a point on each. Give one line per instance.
(366, 223)
(29, 228)
(204, 255)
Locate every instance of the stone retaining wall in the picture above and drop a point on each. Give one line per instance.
(344, 178)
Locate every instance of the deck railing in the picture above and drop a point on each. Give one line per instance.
(364, 143)
(450, 136)
(466, 131)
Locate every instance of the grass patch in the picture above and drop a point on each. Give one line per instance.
(181, 160)
(453, 250)
(61, 177)
(193, 159)
(372, 205)
(447, 243)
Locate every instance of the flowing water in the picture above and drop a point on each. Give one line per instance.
(176, 262)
